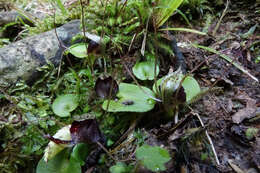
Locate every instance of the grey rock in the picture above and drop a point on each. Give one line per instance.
(11, 16)
(21, 59)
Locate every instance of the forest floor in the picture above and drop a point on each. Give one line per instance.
(226, 114)
(231, 113)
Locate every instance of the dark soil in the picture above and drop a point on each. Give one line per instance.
(225, 113)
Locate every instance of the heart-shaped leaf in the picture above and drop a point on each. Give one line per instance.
(145, 70)
(191, 87)
(64, 104)
(131, 99)
(79, 50)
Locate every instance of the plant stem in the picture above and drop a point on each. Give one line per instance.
(222, 16)
(209, 138)
(108, 153)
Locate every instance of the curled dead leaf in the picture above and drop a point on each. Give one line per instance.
(248, 112)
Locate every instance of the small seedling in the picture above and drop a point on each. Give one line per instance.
(120, 167)
(175, 89)
(78, 50)
(251, 133)
(153, 157)
(64, 104)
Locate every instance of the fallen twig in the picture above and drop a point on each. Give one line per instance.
(227, 58)
(206, 132)
(104, 149)
(222, 16)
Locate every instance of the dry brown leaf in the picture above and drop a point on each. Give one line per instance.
(247, 112)
(235, 167)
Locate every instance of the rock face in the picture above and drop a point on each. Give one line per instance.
(11, 16)
(20, 60)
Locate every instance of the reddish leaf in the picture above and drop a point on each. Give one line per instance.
(248, 112)
(181, 95)
(103, 87)
(93, 47)
(57, 141)
(86, 131)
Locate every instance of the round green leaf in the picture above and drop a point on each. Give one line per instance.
(131, 99)
(64, 104)
(191, 88)
(251, 133)
(145, 70)
(120, 167)
(78, 50)
(153, 157)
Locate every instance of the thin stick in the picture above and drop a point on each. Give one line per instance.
(176, 116)
(124, 5)
(110, 90)
(144, 40)
(129, 130)
(83, 22)
(220, 20)
(108, 153)
(84, 30)
(103, 22)
(61, 44)
(155, 63)
(103, 32)
(55, 30)
(227, 58)
(131, 44)
(209, 138)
